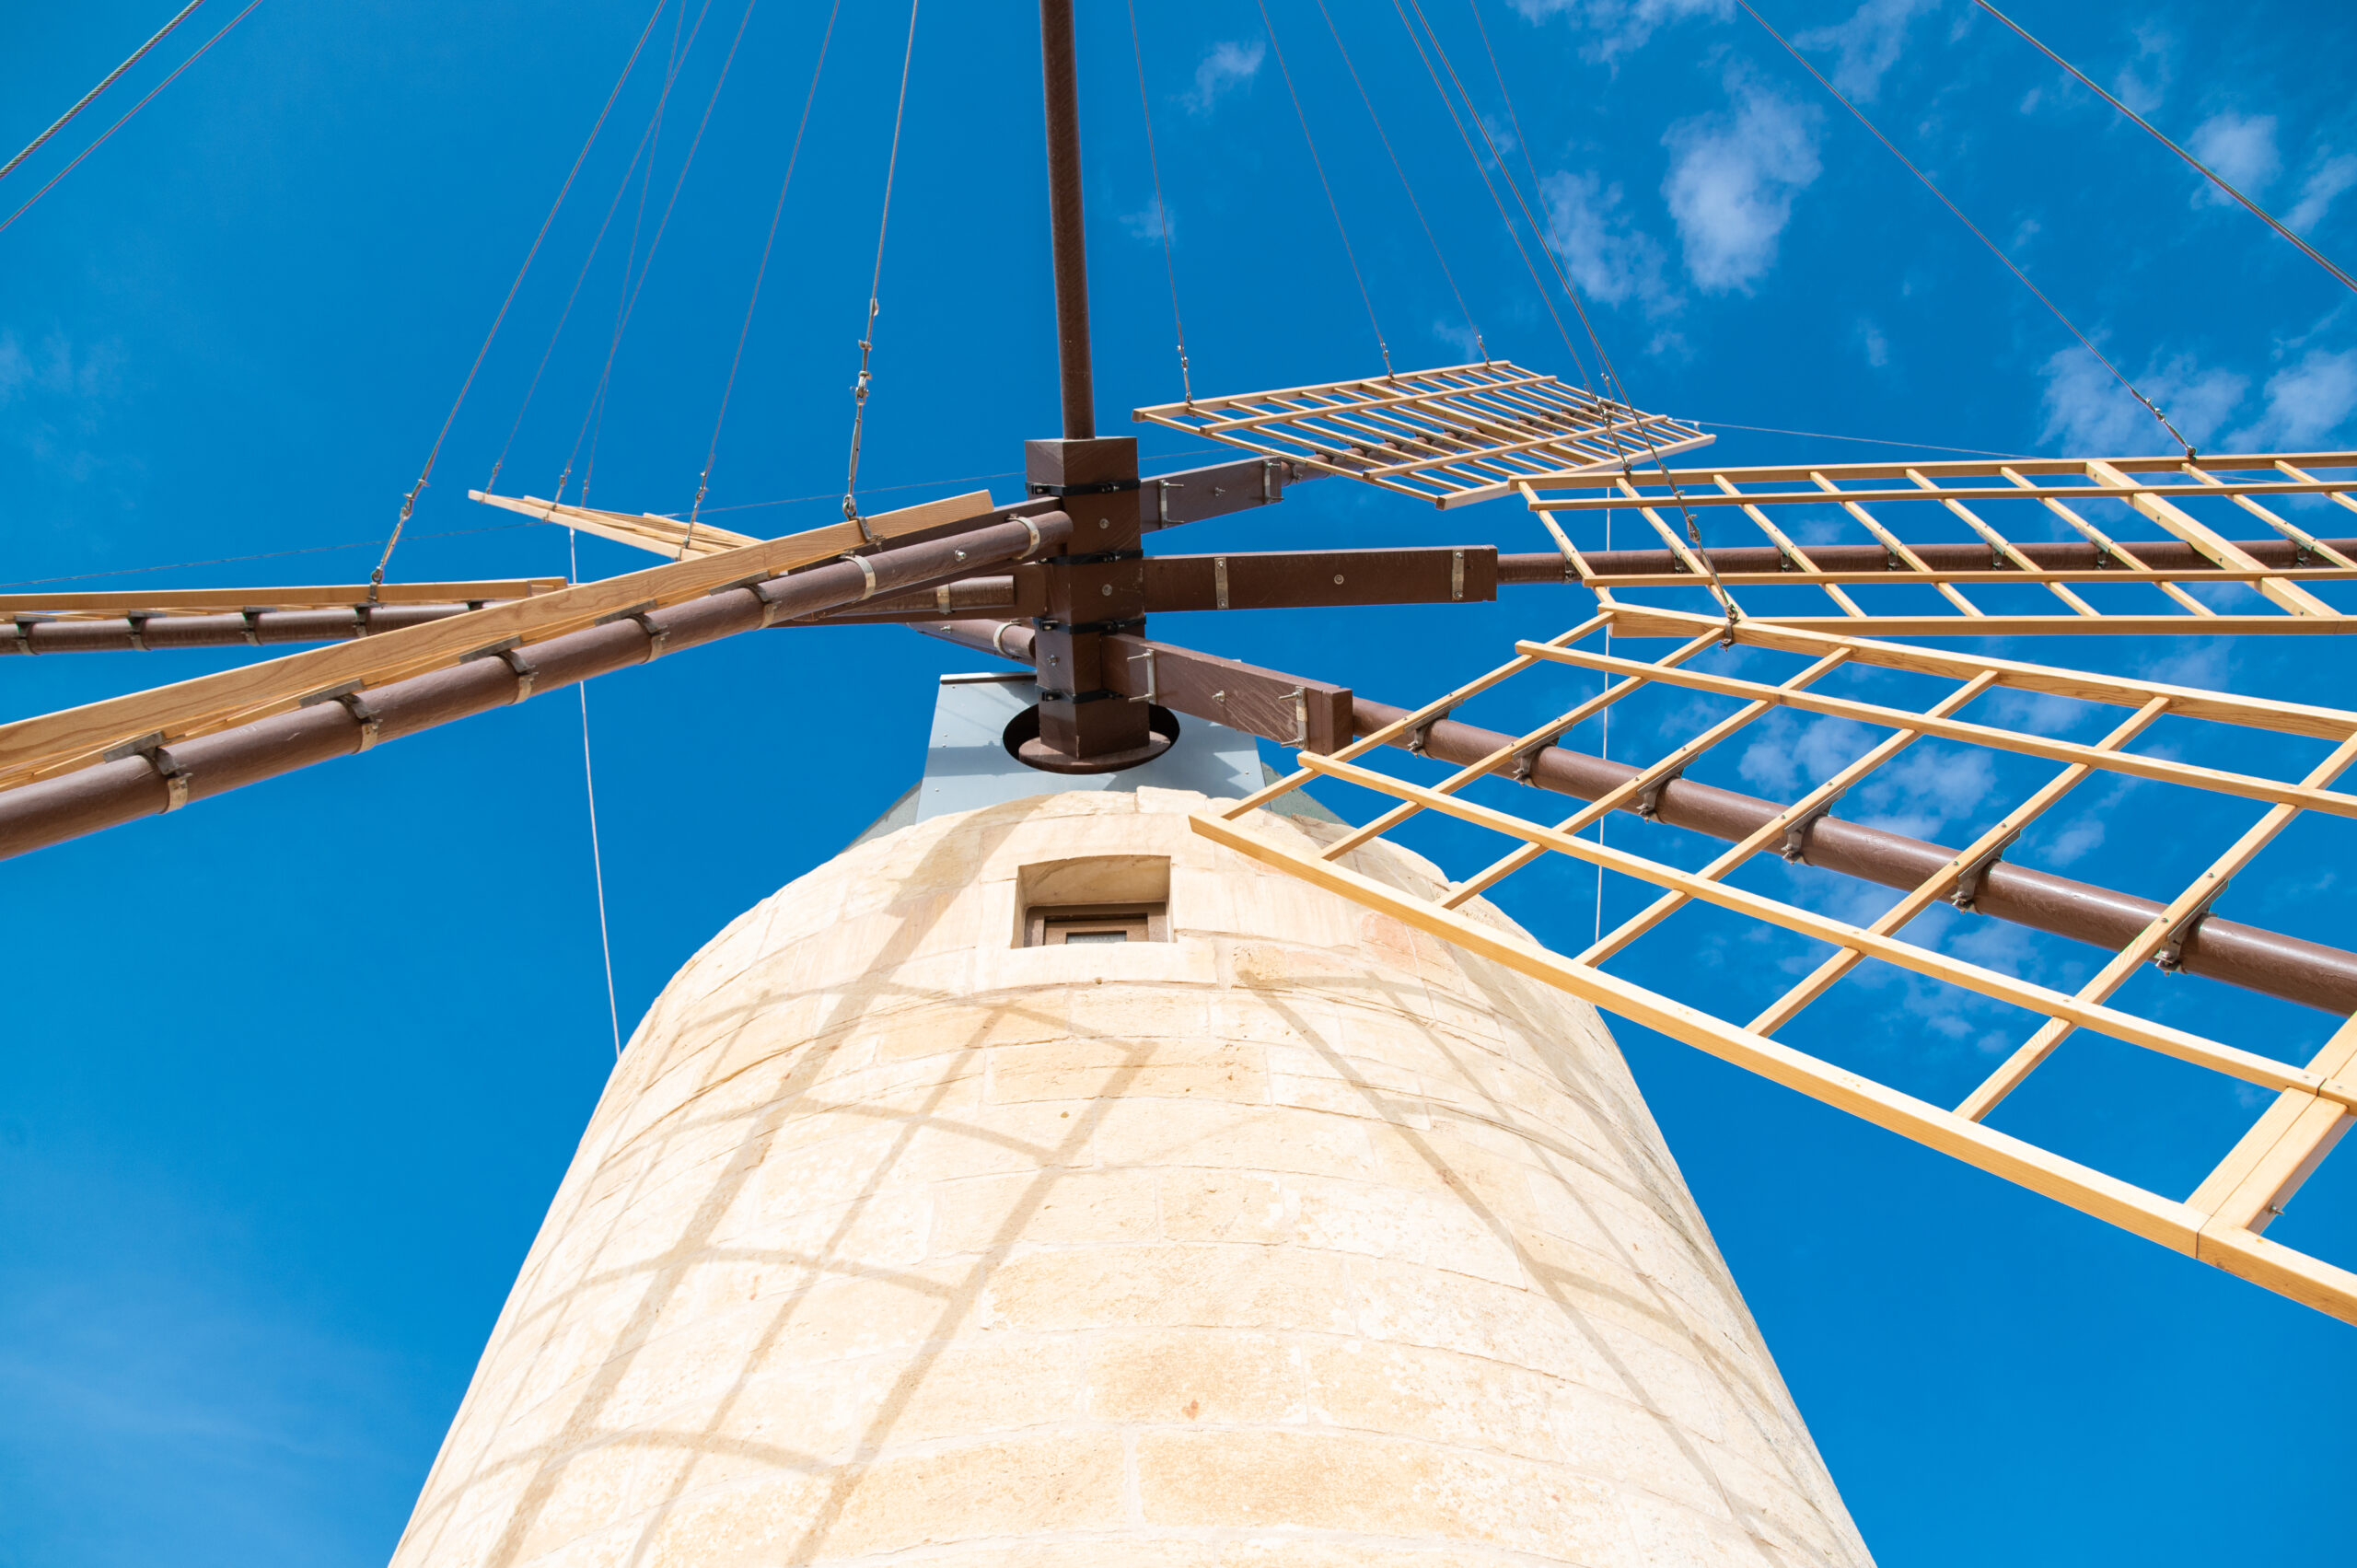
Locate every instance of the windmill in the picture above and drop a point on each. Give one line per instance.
(1062, 583)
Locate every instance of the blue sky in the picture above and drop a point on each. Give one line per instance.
(290, 1078)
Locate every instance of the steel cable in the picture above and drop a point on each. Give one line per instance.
(712, 453)
(1161, 213)
(1315, 162)
(2085, 342)
(201, 50)
(875, 284)
(426, 474)
(91, 97)
(2214, 178)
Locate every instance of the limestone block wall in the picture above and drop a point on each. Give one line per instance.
(1296, 1239)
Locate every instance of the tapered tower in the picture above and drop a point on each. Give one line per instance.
(1046, 1183)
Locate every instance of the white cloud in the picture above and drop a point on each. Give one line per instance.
(1150, 222)
(1868, 42)
(2089, 411)
(15, 368)
(2305, 401)
(2144, 80)
(2242, 149)
(1227, 66)
(1610, 259)
(1876, 346)
(1926, 789)
(1730, 183)
(1623, 25)
(2328, 179)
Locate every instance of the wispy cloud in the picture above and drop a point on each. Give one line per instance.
(2143, 82)
(1150, 222)
(2306, 402)
(2241, 148)
(1620, 25)
(1225, 68)
(2088, 410)
(1731, 181)
(1609, 257)
(2324, 182)
(1868, 43)
(1872, 342)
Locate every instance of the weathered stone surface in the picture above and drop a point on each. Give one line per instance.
(1298, 1241)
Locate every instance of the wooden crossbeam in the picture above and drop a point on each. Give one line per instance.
(2179, 1227)
(198, 601)
(55, 743)
(664, 536)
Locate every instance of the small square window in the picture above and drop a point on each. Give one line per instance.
(1065, 925)
(1099, 899)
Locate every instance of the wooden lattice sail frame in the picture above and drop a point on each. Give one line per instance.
(1851, 552)
(2220, 1222)
(1452, 435)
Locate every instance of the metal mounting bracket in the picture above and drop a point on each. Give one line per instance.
(2169, 956)
(1649, 797)
(1968, 882)
(1797, 831)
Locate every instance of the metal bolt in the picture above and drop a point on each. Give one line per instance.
(1338, 579)
(1106, 590)
(1104, 522)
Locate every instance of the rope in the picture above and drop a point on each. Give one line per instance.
(426, 474)
(109, 131)
(703, 480)
(1615, 388)
(596, 411)
(1381, 347)
(590, 784)
(2211, 174)
(875, 283)
(1161, 213)
(88, 97)
(2085, 340)
(1416, 206)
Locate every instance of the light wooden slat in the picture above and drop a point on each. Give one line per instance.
(1638, 623)
(51, 743)
(1781, 1011)
(2000, 543)
(2258, 1176)
(1769, 831)
(664, 536)
(1782, 542)
(211, 601)
(2154, 769)
(2184, 1046)
(1960, 491)
(1562, 724)
(1896, 546)
(2107, 544)
(2121, 692)
(1661, 771)
(2292, 531)
(2206, 539)
(2198, 897)
(2144, 1214)
(1954, 468)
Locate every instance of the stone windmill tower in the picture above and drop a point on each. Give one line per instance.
(1114, 1157)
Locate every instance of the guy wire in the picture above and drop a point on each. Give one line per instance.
(875, 283)
(1318, 163)
(1161, 213)
(91, 97)
(1413, 204)
(2085, 340)
(426, 474)
(2213, 175)
(703, 480)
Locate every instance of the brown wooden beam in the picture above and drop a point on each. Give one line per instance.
(2268, 962)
